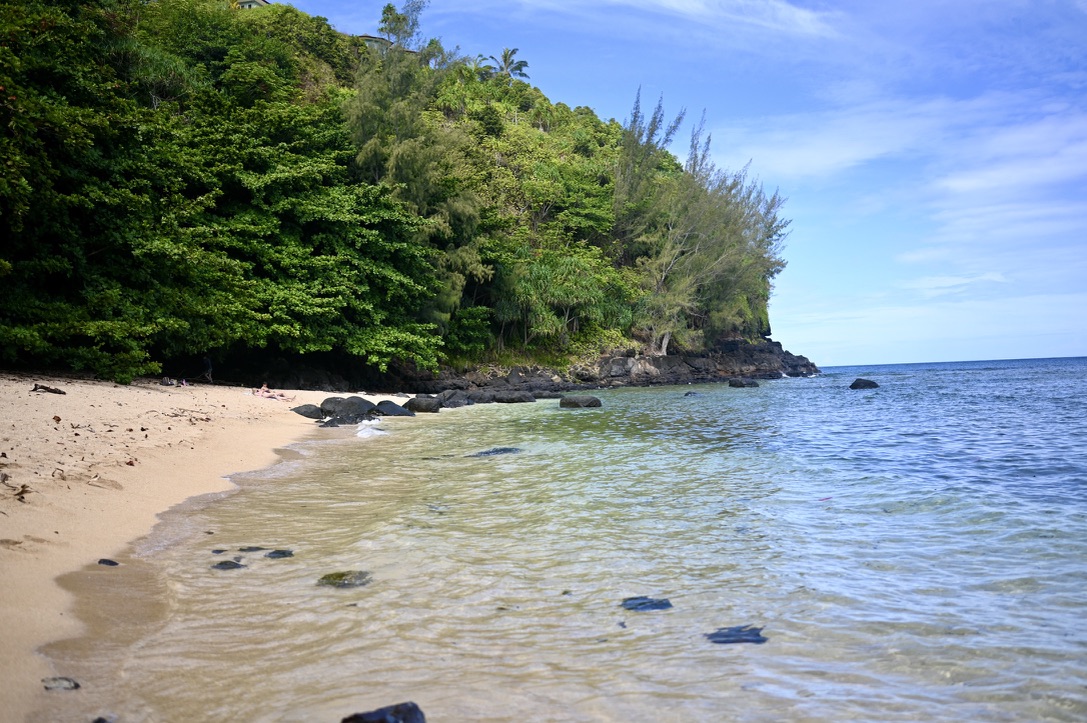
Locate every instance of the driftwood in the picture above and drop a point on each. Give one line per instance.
(51, 390)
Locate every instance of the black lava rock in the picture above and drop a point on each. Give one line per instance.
(737, 634)
(227, 565)
(645, 604)
(400, 713)
(863, 384)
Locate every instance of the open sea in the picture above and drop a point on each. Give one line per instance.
(916, 552)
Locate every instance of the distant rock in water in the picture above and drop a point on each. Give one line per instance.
(227, 565)
(252, 548)
(863, 384)
(349, 578)
(737, 634)
(494, 452)
(645, 604)
(279, 554)
(741, 382)
(108, 562)
(579, 401)
(399, 713)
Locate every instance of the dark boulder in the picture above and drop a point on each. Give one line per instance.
(453, 398)
(579, 401)
(513, 397)
(400, 713)
(309, 411)
(389, 408)
(863, 384)
(280, 554)
(480, 396)
(737, 634)
(331, 405)
(351, 410)
(645, 604)
(740, 382)
(108, 562)
(423, 405)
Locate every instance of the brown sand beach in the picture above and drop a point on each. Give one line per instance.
(86, 472)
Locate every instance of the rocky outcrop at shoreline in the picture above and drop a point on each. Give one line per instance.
(730, 360)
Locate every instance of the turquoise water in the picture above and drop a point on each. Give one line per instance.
(912, 552)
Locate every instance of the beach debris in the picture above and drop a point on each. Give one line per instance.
(108, 562)
(645, 604)
(495, 451)
(737, 634)
(60, 683)
(51, 390)
(348, 578)
(863, 384)
(56, 419)
(227, 565)
(279, 554)
(18, 492)
(400, 713)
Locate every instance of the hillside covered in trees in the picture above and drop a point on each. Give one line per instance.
(182, 178)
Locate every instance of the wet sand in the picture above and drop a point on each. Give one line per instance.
(85, 473)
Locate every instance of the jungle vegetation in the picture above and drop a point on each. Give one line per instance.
(183, 178)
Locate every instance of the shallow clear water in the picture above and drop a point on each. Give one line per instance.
(913, 552)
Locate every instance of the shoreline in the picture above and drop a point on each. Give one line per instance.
(100, 463)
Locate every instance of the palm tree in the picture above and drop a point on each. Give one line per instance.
(509, 67)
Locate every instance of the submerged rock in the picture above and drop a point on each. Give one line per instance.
(400, 713)
(737, 634)
(60, 683)
(495, 451)
(252, 548)
(227, 565)
(280, 554)
(645, 604)
(348, 578)
(108, 562)
(863, 384)
(579, 401)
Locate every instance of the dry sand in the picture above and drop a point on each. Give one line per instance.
(85, 473)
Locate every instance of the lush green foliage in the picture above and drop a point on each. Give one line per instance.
(184, 178)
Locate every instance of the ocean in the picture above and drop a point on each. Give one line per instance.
(915, 552)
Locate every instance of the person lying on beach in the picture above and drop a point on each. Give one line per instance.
(264, 391)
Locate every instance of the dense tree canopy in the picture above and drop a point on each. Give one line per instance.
(186, 178)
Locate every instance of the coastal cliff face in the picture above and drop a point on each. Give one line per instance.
(760, 360)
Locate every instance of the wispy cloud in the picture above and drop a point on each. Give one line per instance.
(933, 286)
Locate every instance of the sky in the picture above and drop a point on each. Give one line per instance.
(933, 152)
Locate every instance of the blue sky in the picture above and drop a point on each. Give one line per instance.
(934, 152)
